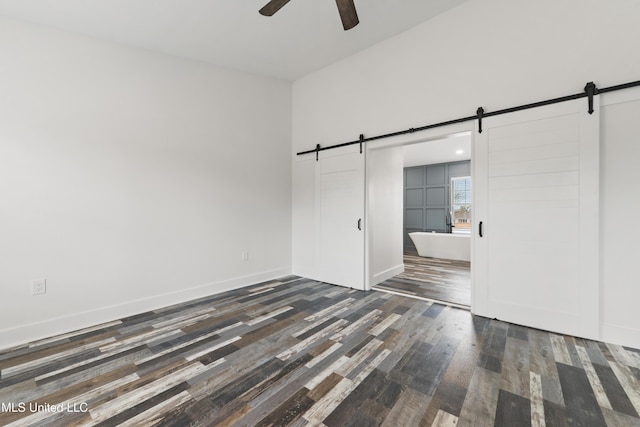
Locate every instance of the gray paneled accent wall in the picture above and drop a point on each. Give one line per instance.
(426, 197)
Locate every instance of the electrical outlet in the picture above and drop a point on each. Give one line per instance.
(39, 286)
(244, 256)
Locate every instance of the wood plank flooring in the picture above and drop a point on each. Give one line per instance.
(432, 278)
(295, 352)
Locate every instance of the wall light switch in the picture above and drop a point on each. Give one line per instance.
(39, 286)
(245, 256)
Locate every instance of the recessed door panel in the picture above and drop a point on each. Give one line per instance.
(414, 218)
(435, 219)
(415, 177)
(414, 197)
(436, 175)
(436, 196)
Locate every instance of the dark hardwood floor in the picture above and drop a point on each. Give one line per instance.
(432, 278)
(297, 352)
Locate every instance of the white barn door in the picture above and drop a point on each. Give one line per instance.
(340, 205)
(536, 179)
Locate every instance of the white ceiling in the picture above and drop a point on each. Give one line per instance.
(304, 36)
(454, 148)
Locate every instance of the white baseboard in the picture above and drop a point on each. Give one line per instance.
(386, 274)
(621, 335)
(23, 334)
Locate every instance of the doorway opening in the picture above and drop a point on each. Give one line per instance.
(435, 207)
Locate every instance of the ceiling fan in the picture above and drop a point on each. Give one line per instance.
(346, 8)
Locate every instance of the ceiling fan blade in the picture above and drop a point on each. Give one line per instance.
(348, 13)
(272, 7)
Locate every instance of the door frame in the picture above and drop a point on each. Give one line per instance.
(444, 132)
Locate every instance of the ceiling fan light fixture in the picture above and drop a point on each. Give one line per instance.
(346, 8)
(348, 14)
(272, 7)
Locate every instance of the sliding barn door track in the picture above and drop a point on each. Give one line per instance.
(435, 301)
(590, 90)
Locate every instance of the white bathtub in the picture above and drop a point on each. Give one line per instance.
(443, 245)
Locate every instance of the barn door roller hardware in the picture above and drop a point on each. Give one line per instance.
(480, 113)
(590, 90)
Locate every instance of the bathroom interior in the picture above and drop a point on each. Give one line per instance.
(437, 207)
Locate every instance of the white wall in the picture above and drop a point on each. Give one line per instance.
(384, 203)
(490, 53)
(306, 261)
(620, 205)
(131, 180)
